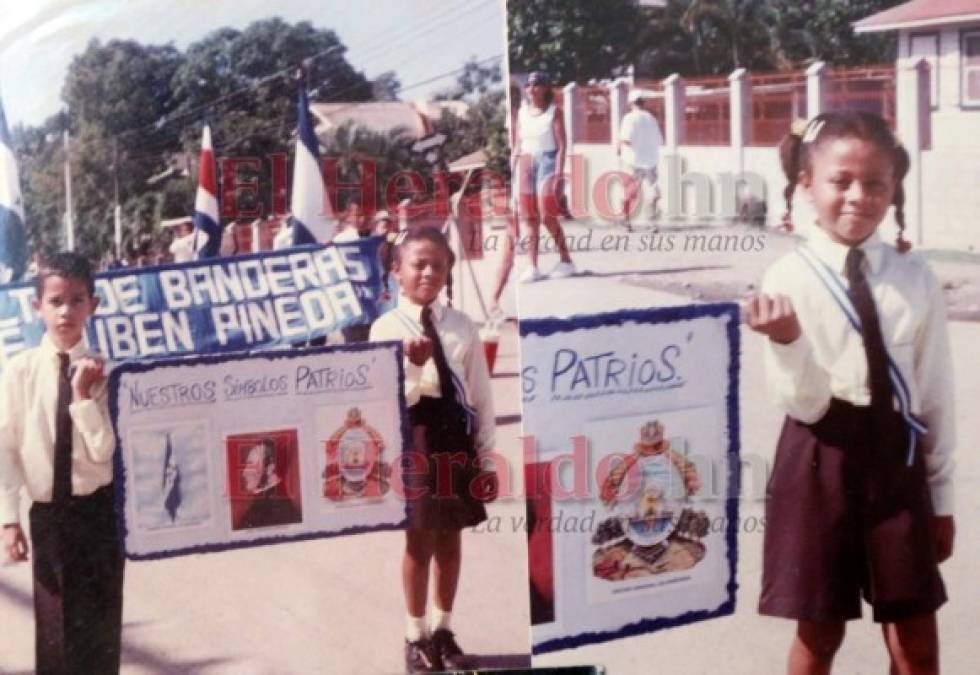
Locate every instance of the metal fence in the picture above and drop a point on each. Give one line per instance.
(868, 89)
(777, 99)
(592, 115)
(707, 112)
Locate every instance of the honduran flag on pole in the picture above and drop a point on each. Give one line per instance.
(313, 219)
(207, 222)
(13, 238)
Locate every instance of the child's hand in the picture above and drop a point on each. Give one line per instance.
(774, 317)
(945, 535)
(418, 350)
(89, 371)
(15, 543)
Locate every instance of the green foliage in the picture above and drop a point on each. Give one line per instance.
(574, 40)
(484, 127)
(134, 111)
(579, 40)
(718, 36)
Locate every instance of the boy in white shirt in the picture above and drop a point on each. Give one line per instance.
(56, 439)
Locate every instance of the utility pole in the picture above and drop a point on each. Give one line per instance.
(117, 211)
(69, 208)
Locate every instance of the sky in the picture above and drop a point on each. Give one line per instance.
(418, 39)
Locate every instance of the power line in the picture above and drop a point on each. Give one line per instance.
(459, 10)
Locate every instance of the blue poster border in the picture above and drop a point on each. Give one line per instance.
(119, 469)
(550, 326)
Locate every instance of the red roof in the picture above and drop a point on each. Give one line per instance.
(918, 13)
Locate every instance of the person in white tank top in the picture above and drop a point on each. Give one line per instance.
(539, 160)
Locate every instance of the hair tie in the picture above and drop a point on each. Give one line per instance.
(813, 130)
(797, 127)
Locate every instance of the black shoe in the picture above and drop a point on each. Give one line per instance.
(421, 656)
(444, 644)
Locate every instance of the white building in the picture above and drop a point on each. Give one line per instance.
(940, 106)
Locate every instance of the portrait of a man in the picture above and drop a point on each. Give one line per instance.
(264, 480)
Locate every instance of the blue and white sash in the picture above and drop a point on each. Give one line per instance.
(901, 389)
(416, 329)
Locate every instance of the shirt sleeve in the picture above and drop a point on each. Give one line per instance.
(91, 418)
(799, 384)
(11, 473)
(481, 396)
(934, 378)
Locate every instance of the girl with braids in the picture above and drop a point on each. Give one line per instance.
(860, 498)
(447, 389)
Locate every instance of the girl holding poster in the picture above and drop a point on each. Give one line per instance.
(447, 389)
(860, 497)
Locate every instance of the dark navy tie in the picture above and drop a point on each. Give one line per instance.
(439, 355)
(61, 489)
(874, 345)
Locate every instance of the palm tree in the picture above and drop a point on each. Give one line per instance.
(739, 22)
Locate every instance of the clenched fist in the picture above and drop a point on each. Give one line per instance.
(418, 350)
(774, 317)
(88, 372)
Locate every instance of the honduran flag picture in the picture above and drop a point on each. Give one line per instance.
(13, 238)
(207, 221)
(313, 219)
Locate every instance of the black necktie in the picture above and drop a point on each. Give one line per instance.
(61, 489)
(439, 355)
(874, 345)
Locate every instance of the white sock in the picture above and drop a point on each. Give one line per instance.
(441, 619)
(415, 628)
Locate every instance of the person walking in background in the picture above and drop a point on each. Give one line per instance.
(639, 146)
(539, 158)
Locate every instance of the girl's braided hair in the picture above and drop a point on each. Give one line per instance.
(434, 236)
(796, 153)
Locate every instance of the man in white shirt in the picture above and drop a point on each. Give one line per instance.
(639, 146)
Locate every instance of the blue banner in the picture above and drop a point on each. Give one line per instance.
(246, 302)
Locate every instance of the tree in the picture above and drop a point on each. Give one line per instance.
(738, 26)
(112, 91)
(574, 40)
(717, 36)
(484, 127)
(386, 86)
(252, 75)
(354, 146)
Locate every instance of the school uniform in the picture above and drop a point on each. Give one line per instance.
(64, 460)
(850, 502)
(448, 501)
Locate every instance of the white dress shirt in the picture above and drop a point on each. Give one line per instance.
(828, 360)
(464, 352)
(28, 398)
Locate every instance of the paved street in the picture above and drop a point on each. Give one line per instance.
(334, 606)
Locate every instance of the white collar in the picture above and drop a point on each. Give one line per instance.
(835, 254)
(77, 351)
(414, 311)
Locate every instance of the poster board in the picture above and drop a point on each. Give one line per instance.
(225, 451)
(631, 476)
